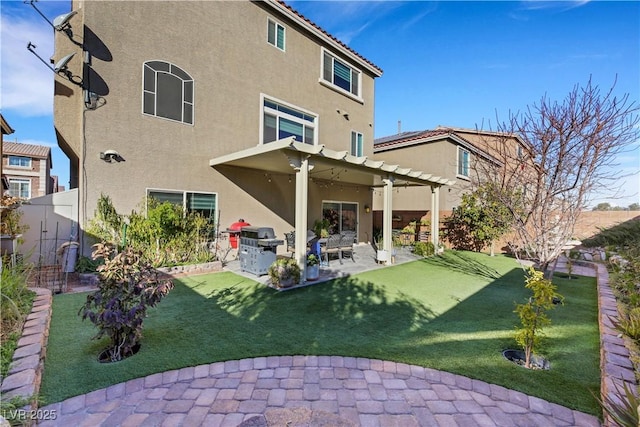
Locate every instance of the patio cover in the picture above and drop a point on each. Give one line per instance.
(287, 156)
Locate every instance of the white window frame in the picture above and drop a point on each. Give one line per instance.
(459, 152)
(279, 114)
(359, 144)
(155, 91)
(276, 26)
(330, 84)
(21, 182)
(29, 161)
(184, 198)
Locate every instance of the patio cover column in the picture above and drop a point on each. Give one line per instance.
(435, 216)
(387, 214)
(302, 166)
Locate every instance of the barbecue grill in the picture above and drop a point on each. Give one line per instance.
(258, 247)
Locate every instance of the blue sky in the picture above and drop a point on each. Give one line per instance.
(450, 63)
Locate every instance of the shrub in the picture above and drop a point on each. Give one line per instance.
(312, 259)
(127, 288)
(165, 234)
(424, 249)
(284, 272)
(15, 303)
(623, 407)
(10, 216)
(15, 297)
(533, 313)
(630, 324)
(106, 224)
(87, 265)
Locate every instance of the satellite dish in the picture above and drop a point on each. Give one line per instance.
(62, 64)
(63, 20)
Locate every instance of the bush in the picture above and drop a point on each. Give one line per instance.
(127, 288)
(165, 235)
(424, 249)
(284, 272)
(630, 324)
(15, 303)
(87, 265)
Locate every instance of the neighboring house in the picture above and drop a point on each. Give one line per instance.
(5, 130)
(232, 109)
(447, 152)
(27, 169)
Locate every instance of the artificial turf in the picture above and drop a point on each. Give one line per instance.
(453, 312)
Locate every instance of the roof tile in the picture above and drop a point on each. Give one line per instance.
(29, 150)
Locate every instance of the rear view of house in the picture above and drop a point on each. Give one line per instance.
(232, 109)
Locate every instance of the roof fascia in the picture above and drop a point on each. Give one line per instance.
(274, 4)
(410, 142)
(515, 136)
(6, 129)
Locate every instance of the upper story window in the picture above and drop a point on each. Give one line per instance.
(281, 120)
(275, 34)
(340, 74)
(168, 92)
(20, 161)
(356, 144)
(20, 188)
(463, 162)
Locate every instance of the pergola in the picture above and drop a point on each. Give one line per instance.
(287, 156)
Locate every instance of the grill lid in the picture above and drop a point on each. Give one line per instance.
(257, 232)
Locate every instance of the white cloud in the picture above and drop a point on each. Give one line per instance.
(27, 84)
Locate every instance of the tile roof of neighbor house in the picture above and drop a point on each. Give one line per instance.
(405, 139)
(317, 27)
(29, 150)
(408, 136)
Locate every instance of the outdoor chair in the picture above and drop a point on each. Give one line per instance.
(346, 244)
(290, 238)
(332, 246)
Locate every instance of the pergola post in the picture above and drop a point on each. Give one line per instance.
(302, 166)
(387, 218)
(435, 216)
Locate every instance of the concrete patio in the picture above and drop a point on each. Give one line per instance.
(364, 259)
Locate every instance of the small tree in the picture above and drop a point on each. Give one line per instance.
(533, 313)
(552, 158)
(127, 288)
(478, 221)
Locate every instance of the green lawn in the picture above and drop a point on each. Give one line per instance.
(453, 313)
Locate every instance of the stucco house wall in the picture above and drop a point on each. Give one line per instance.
(223, 47)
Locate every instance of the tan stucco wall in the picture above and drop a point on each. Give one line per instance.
(223, 46)
(436, 158)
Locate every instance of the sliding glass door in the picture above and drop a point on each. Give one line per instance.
(342, 216)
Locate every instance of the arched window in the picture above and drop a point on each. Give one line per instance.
(167, 92)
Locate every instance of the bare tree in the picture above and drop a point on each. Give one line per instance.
(549, 160)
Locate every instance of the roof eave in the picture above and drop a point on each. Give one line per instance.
(282, 8)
